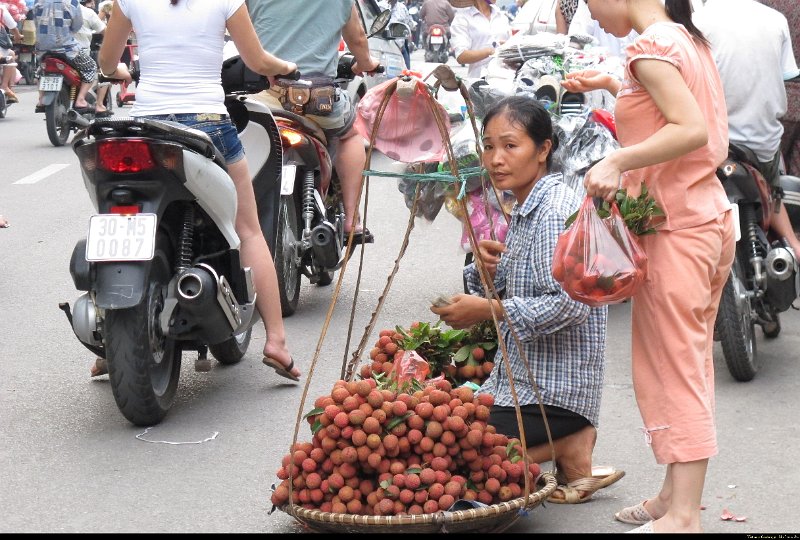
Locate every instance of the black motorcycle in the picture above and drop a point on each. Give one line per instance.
(764, 280)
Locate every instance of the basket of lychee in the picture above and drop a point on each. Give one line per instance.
(460, 355)
(406, 457)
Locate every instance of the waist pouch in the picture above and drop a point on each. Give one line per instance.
(314, 95)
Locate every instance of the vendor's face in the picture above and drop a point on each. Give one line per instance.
(511, 156)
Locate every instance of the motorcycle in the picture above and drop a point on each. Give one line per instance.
(4, 105)
(437, 44)
(309, 231)
(161, 265)
(59, 83)
(27, 62)
(765, 278)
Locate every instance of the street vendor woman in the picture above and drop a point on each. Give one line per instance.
(562, 339)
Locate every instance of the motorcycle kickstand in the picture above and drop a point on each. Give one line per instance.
(202, 363)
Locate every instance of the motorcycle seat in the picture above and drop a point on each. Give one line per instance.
(59, 56)
(307, 124)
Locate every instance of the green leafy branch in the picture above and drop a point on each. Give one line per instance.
(641, 214)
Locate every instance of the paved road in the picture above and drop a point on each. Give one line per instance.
(69, 462)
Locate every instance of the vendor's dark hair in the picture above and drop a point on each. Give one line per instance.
(531, 115)
(680, 11)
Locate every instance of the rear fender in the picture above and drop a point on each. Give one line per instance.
(49, 97)
(120, 285)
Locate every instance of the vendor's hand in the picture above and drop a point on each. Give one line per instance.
(369, 66)
(489, 252)
(603, 179)
(465, 311)
(587, 80)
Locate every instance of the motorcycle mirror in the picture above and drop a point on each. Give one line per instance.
(398, 30)
(380, 22)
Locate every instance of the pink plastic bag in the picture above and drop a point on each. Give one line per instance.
(408, 131)
(481, 224)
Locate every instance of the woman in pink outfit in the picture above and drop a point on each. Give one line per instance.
(672, 124)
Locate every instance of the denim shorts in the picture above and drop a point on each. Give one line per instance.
(217, 126)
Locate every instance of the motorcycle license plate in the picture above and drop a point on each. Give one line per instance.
(114, 237)
(437, 39)
(287, 179)
(25, 57)
(50, 84)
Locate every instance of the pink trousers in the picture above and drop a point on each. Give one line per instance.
(673, 318)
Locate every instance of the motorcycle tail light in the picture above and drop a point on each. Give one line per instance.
(342, 46)
(126, 210)
(125, 156)
(436, 32)
(291, 137)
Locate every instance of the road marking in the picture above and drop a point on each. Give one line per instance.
(43, 173)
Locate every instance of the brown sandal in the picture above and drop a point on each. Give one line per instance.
(99, 368)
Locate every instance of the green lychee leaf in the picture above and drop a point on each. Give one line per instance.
(413, 470)
(397, 420)
(386, 483)
(316, 427)
(515, 459)
(314, 412)
(463, 353)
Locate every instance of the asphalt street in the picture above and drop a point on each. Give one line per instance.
(69, 461)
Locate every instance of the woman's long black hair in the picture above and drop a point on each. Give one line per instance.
(680, 11)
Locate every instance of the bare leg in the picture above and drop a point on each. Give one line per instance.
(683, 488)
(350, 160)
(783, 226)
(80, 99)
(99, 106)
(3, 222)
(255, 254)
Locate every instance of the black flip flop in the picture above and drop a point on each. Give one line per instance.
(279, 369)
(103, 114)
(360, 237)
(40, 108)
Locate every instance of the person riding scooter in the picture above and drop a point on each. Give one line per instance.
(7, 75)
(310, 38)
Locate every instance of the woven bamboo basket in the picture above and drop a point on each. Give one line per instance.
(491, 519)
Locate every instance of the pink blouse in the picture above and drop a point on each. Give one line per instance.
(686, 188)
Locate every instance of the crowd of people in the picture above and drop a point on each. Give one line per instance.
(674, 127)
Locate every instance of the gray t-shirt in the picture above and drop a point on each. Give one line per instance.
(308, 36)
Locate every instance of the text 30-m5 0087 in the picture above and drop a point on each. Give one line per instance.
(115, 237)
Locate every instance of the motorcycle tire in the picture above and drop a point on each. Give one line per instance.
(287, 236)
(430, 56)
(232, 350)
(143, 365)
(58, 127)
(735, 329)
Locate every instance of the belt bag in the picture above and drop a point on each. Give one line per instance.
(302, 98)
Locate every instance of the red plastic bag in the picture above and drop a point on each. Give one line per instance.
(598, 261)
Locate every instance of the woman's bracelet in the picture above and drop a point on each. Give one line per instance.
(110, 75)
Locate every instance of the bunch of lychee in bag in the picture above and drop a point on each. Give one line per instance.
(401, 447)
(598, 260)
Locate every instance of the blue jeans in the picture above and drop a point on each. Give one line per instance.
(217, 126)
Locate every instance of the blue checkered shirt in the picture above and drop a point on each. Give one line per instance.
(564, 340)
(56, 22)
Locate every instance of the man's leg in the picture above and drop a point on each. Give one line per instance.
(783, 227)
(350, 159)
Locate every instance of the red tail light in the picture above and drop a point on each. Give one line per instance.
(341, 45)
(291, 137)
(514, 31)
(436, 32)
(125, 156)
(126, 210)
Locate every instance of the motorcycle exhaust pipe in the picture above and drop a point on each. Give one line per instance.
(780, 263)
(196, 287)
(324, 245)
(77, 119)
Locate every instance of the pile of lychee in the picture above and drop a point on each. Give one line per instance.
(383, 452)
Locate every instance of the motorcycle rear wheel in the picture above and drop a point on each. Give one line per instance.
(287, 236)
(232, 350)
(735, 328)
(143, 365)
(58, 128)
